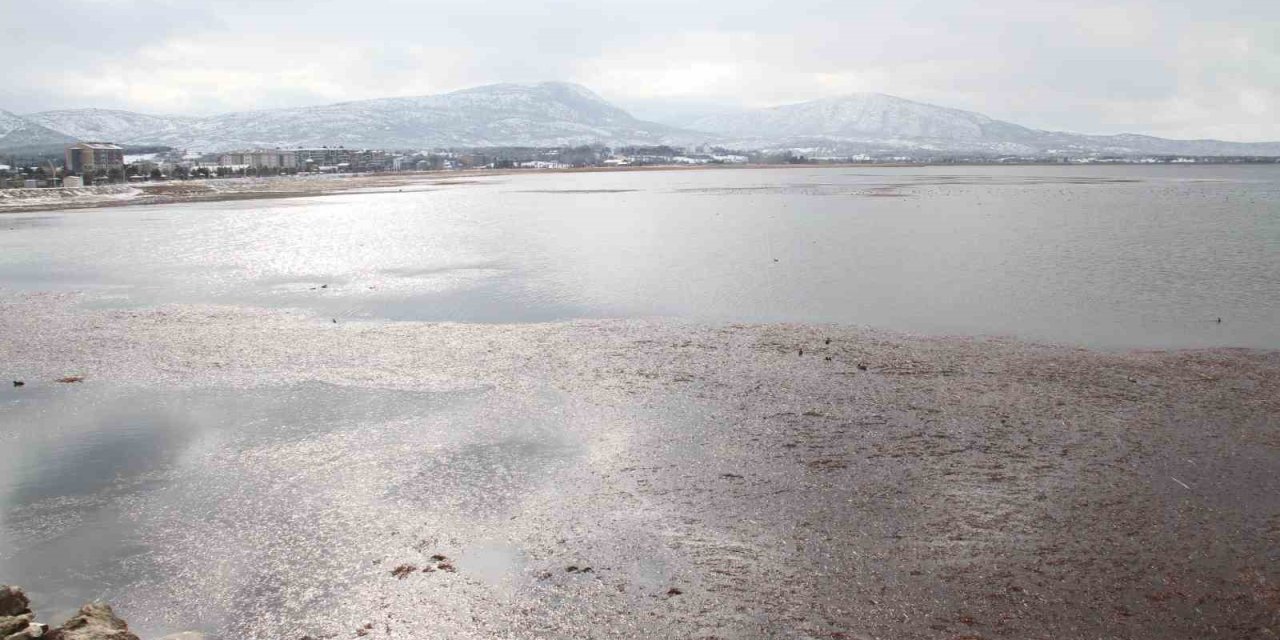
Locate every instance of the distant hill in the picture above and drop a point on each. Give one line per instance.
(541, 114)
(876, 121)
(112, 125)
(19, 134)
(561, 113)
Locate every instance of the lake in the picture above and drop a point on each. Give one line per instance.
(1111, 256)
(255, 470)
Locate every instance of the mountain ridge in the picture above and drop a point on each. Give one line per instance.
(507, 114)
(861, 120)
(19, 133)
(561, 113)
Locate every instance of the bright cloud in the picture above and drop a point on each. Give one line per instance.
(1197, 69)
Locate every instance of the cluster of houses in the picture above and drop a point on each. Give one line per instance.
(89, 163)
(341, 160)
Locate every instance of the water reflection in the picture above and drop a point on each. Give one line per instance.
(1104, 256)
(236, 511)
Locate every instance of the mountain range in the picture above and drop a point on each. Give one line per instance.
(25, 134)
(542, 114)
(878, 122)
(560, 113)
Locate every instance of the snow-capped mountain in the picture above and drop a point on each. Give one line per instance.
(111, 125)
(541, 114)
(19, 133)
(856, 116)
(560, 113)
(873, 121)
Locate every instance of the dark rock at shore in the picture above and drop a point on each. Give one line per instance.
(13, 602)
(12, 624)
(93, 622)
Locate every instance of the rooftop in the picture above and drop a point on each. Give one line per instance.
(96, 145)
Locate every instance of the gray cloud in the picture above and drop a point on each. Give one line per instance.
(1196, 69)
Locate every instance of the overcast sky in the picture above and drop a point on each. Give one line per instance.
(1176, 68)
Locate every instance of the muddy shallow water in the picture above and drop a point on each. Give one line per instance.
(265, 474)
(256, 451)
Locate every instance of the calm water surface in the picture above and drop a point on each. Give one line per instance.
(1101, 256)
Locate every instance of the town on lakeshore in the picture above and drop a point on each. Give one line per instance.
(94, 163)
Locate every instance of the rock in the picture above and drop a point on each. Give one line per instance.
(13, 602)
(93, 622)
(12, 624)
(33, 630)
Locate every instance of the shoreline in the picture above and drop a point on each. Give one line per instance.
(210, 190)
(302, 186)
(991, 487)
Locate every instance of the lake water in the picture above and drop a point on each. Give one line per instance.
(248, 512)
(1112, 256)
(1123, 256)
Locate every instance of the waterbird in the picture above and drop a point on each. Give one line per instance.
(18, 383)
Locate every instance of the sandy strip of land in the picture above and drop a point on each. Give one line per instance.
(223, 189)
(212, 190)
(792, 481)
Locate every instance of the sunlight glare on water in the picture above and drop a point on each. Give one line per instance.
(1101, 256)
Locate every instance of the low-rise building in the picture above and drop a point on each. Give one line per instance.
(311, 159)
(261, 159)
(342, 159)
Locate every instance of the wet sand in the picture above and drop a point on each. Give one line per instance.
(220, 190)
(749, 481)
(228, 189)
